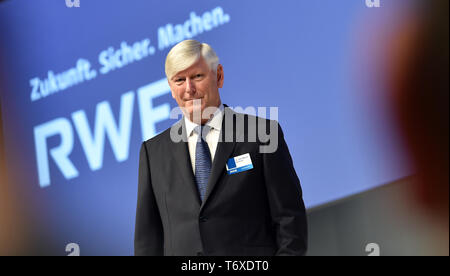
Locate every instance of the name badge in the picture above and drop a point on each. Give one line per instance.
(239, 164)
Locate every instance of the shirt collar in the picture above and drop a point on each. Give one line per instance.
(215, 122)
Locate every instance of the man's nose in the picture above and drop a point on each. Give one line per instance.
(190, 87)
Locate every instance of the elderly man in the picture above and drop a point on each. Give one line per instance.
(216, 191)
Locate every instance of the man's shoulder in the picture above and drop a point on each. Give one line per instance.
(248, 117)
(250, 128)
(162, 137)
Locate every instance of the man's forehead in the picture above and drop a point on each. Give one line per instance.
(199, 64)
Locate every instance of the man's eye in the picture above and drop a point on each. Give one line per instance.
(179, 80)
(199, 76)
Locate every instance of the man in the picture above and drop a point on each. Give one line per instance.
(218, 190)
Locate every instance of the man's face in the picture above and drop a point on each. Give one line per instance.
(197, 82)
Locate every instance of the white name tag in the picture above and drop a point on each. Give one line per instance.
(239, 164)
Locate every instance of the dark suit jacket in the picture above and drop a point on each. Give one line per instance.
(254, 212)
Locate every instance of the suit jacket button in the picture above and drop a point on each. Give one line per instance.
(199, 254)
(203, 219)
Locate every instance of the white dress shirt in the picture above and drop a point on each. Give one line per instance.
(212, 138)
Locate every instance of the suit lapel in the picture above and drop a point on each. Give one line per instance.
(181, 155)
(223, 153)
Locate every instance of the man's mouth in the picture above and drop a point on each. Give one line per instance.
(188, 100)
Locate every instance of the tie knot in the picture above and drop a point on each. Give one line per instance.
(202, 130)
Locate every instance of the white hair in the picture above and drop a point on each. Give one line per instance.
(186, 53)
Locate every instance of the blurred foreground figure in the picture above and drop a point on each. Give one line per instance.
(419, 87)
(12, 237)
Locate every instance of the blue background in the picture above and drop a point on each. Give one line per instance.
(296, 55)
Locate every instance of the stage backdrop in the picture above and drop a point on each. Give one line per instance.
(82, 87)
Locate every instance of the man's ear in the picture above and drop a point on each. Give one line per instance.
(220, 76)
